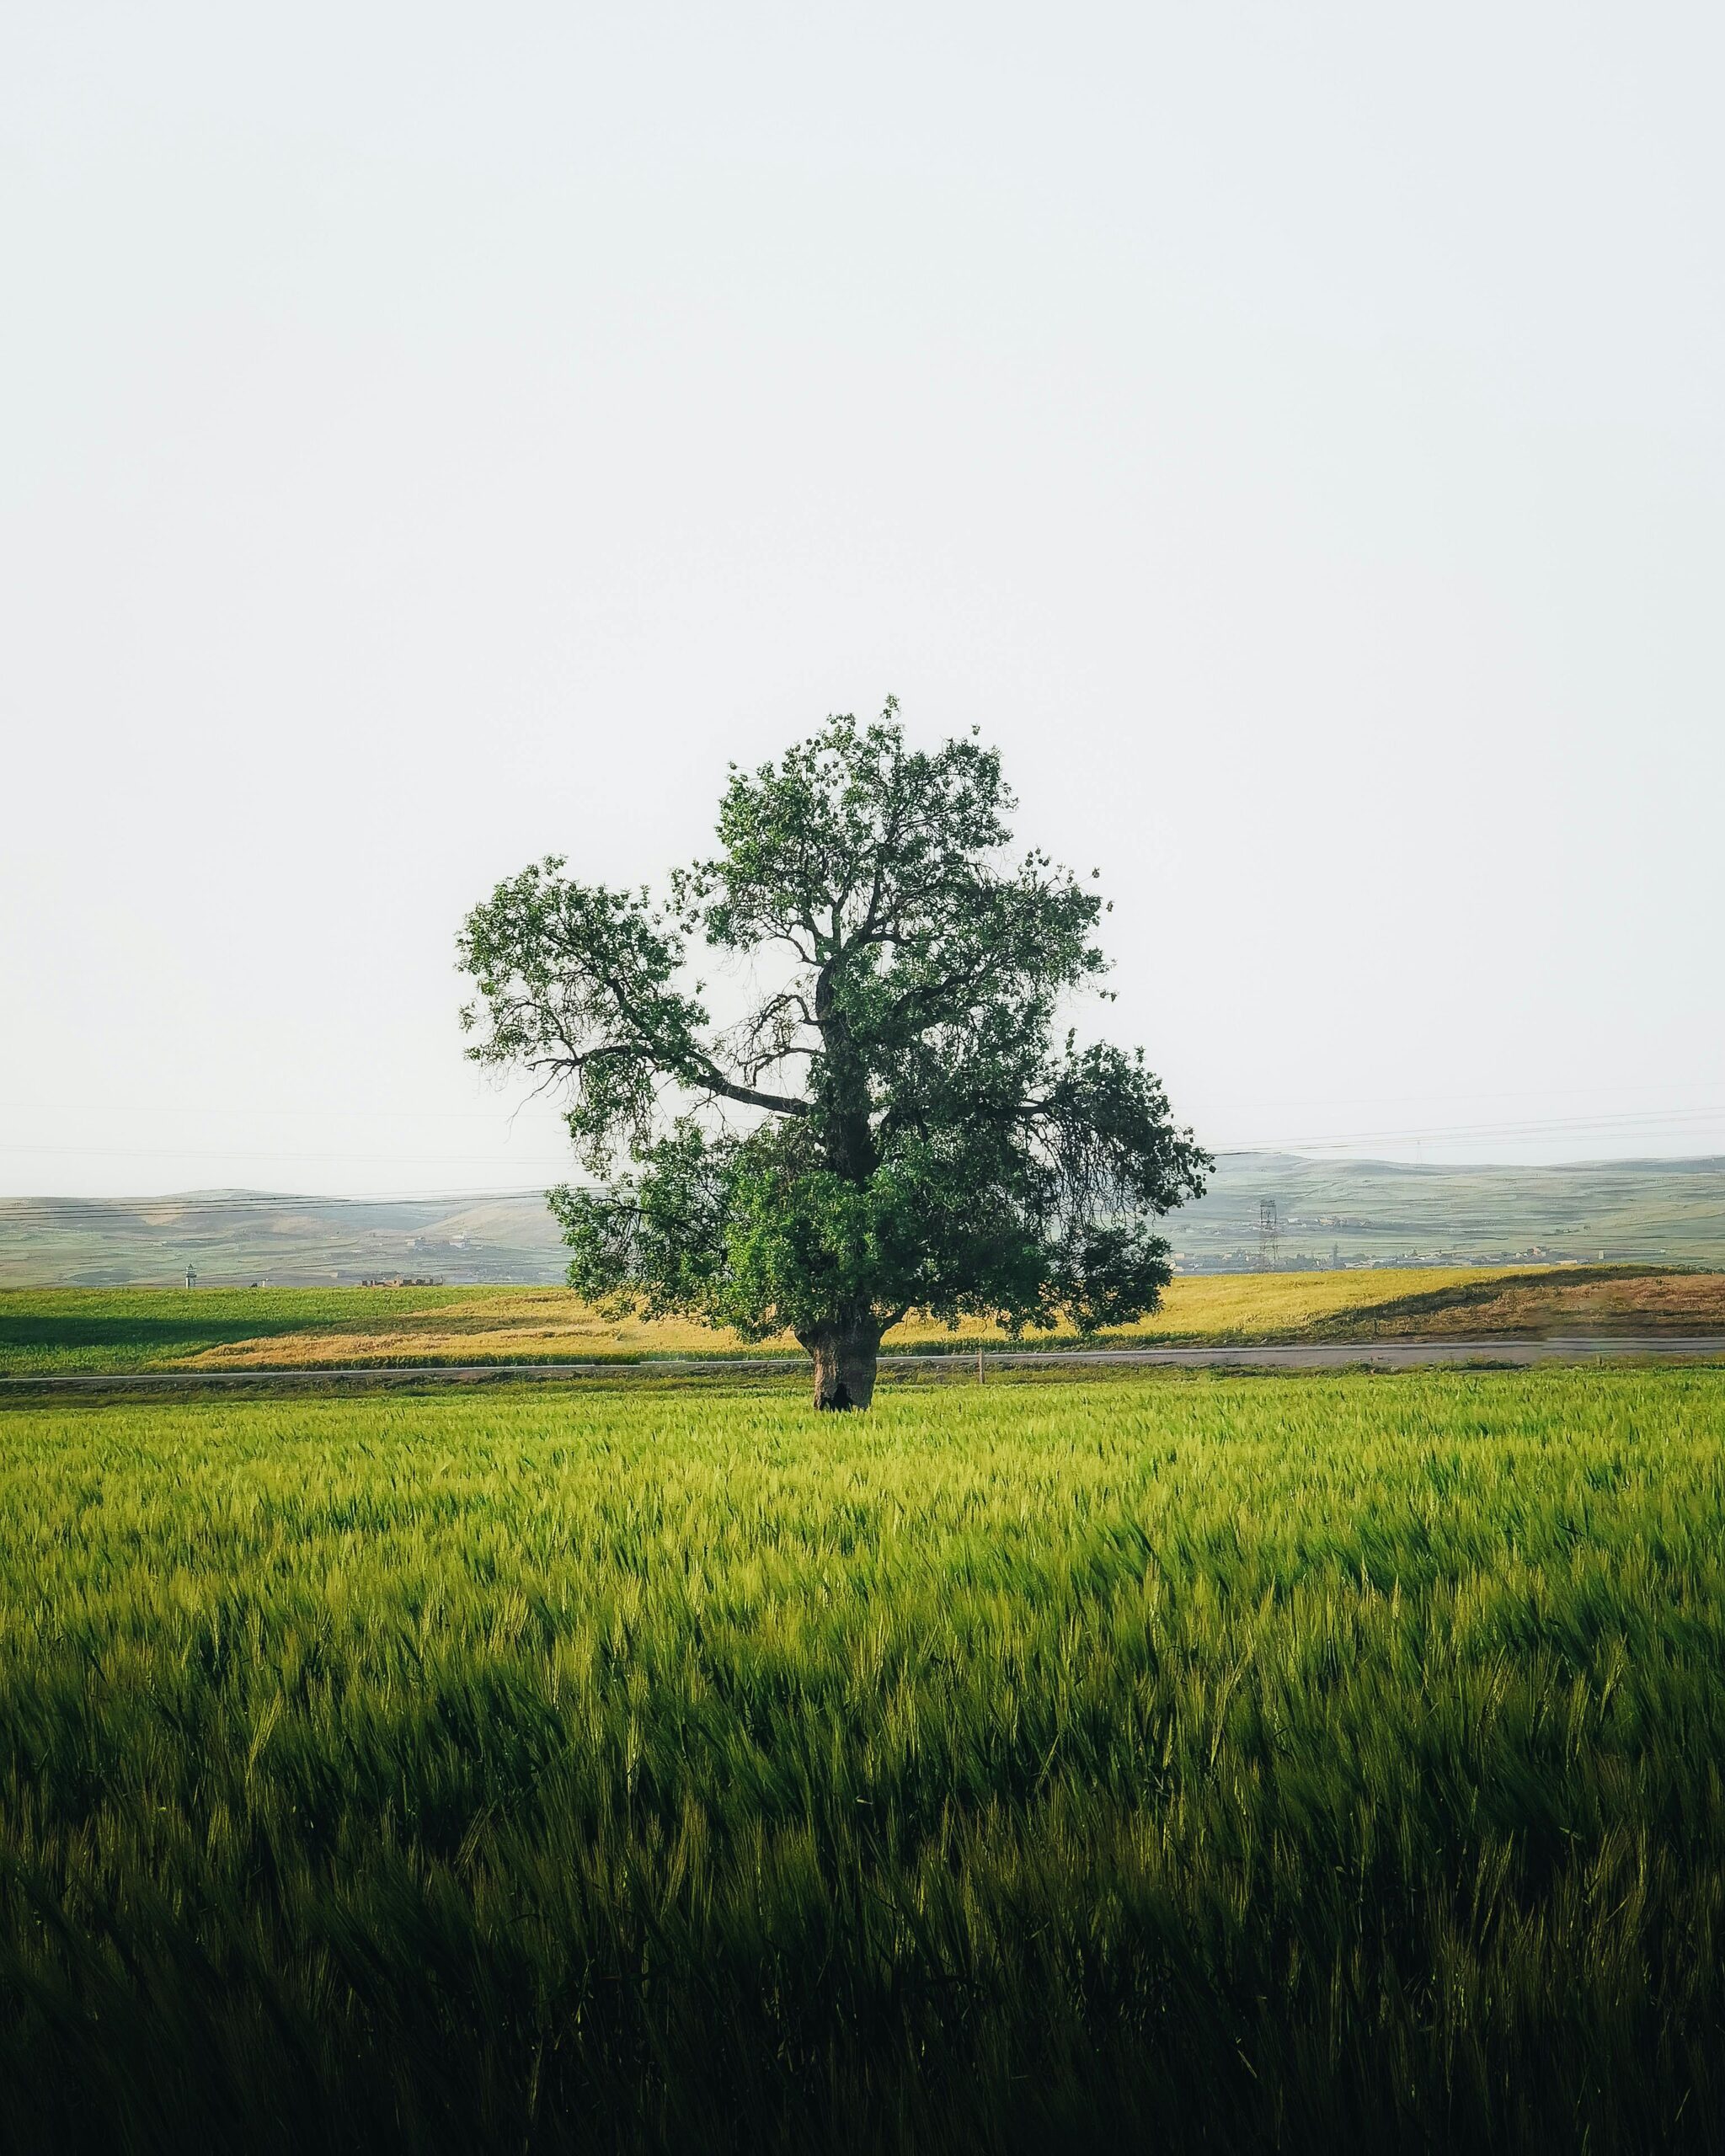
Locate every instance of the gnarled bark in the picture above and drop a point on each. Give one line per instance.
(846, 1354)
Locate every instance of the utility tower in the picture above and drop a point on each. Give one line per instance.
(1270, 1235)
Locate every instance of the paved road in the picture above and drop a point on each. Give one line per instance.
(1327, 1355)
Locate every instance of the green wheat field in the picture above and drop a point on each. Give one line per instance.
(1158, 1763)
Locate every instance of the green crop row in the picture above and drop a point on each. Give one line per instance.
(1237, 1763)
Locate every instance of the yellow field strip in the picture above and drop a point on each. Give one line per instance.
(549, 1324)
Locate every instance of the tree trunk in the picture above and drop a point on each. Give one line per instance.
(846, 1354)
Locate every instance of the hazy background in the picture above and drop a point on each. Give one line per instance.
(436, 436)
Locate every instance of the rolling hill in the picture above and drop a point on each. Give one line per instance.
(1349, 1213)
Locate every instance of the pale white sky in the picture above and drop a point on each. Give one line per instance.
(434, 436)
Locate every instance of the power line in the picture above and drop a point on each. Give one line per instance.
(219, 1152)
(79, 1212)
(202, 1108)
(52, 1210)
(556, 1169)
(393, 1113)
(1544, 1126)
(1540, 1126)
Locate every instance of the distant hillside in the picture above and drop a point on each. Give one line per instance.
(233, 1237)
(1388, 1212)
(1350, 1212)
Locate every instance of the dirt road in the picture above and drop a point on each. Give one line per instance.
(1327, 1355)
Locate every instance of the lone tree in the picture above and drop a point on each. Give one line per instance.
(894, 1126)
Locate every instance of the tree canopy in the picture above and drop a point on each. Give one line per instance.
(896, 1122)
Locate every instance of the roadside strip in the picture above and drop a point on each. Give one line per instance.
(1320, 1355)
